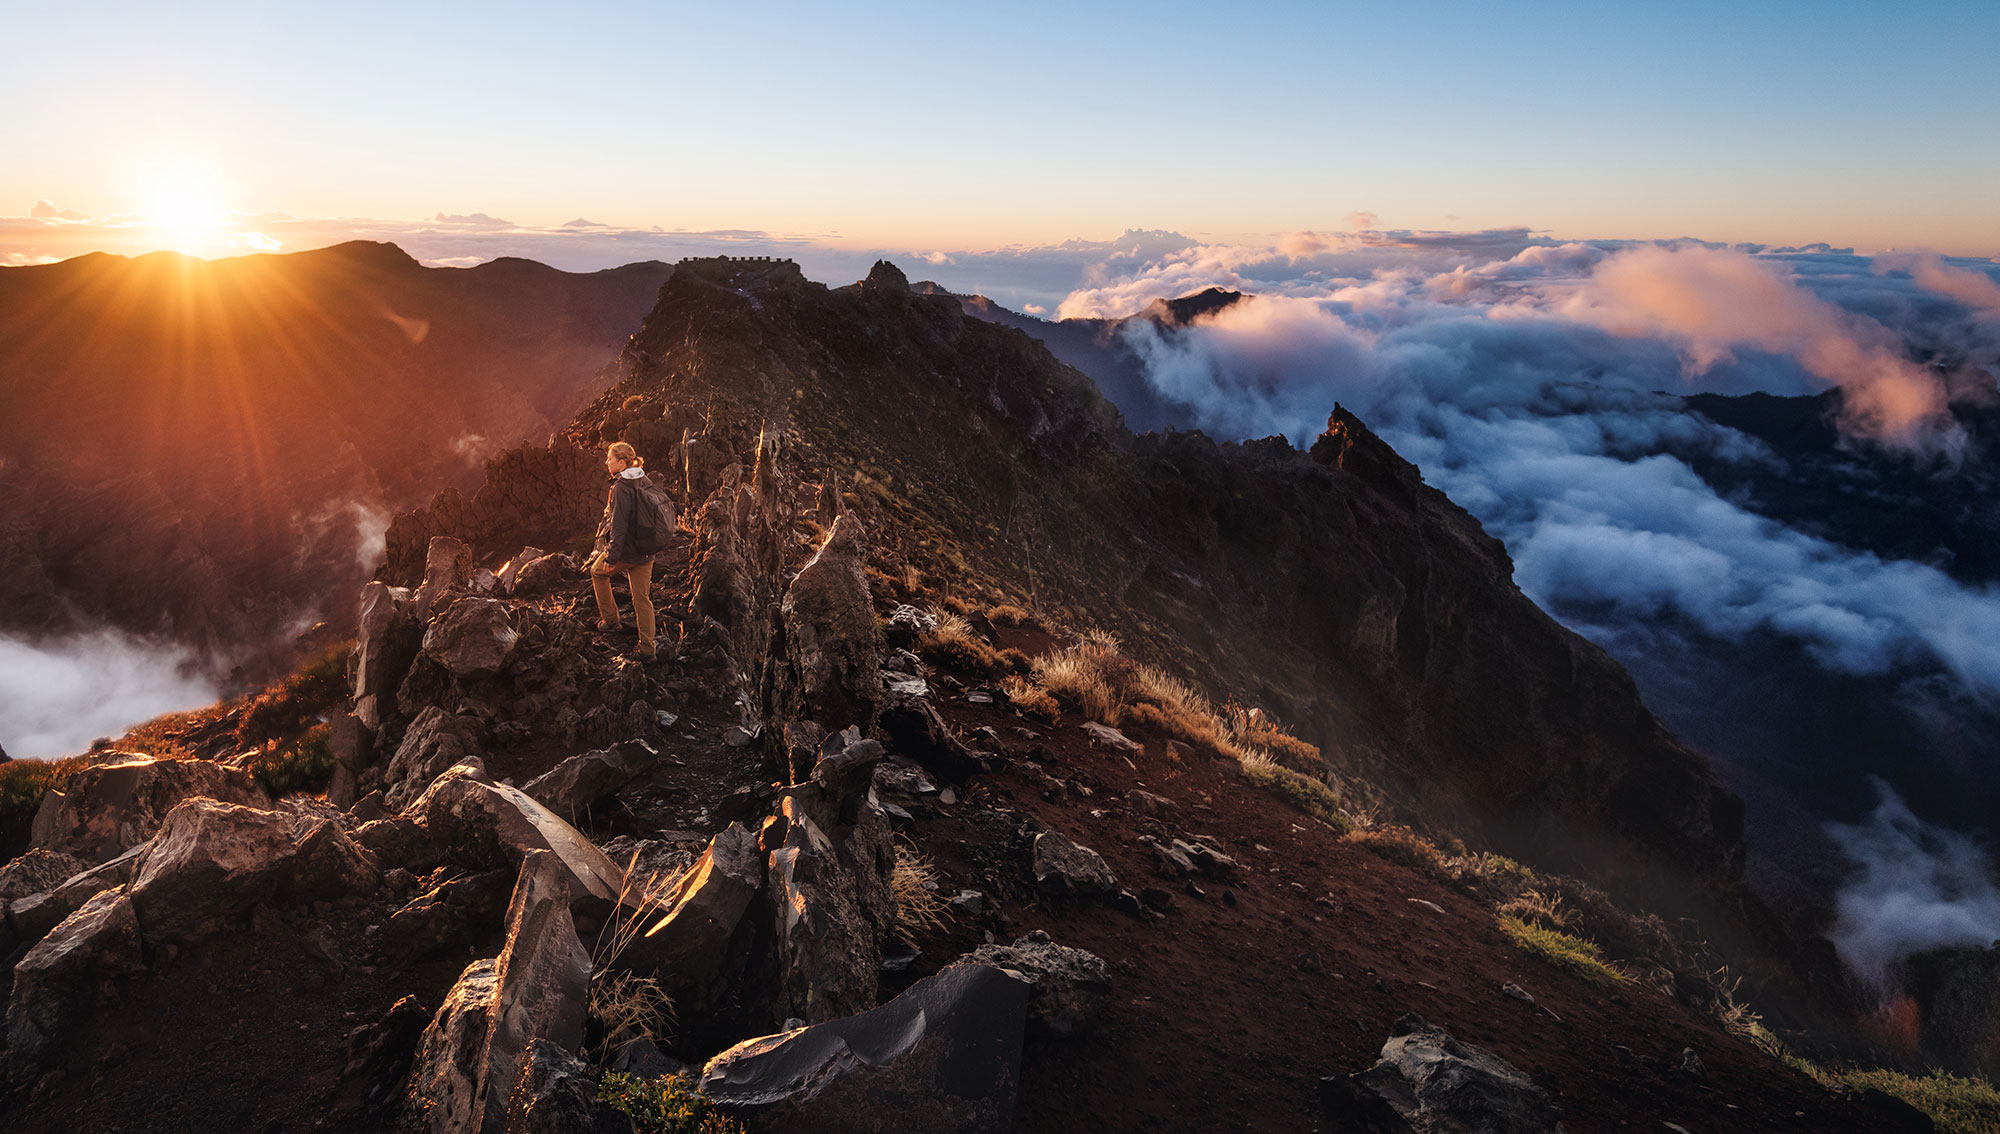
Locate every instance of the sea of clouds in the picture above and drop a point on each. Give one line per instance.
(1538, 386)
(56, 697)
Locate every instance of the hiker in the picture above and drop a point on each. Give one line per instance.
(637, 518)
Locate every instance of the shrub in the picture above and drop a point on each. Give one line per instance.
(1077, 682)
(1561, 950)
(1537, 908)
(1031, 699)
(914, 884)
(953, 644)
(24, 782)
(306, 764)
(666, 1105)
(292, 705)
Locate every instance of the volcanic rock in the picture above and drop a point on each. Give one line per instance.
(386, 642)
(573, 786)
(1065, 868)
(120, 802)
(57, 984)
(1437, 1085)
(1070, 986)
(435, 741)
(474, 637)
(210, 862)
(829, 620)
(943, 1056)
(828, 867)
(488, 824)
(447, 568)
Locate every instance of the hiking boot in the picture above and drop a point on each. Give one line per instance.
(643, 653)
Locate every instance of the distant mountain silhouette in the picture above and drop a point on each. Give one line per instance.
(198, 448)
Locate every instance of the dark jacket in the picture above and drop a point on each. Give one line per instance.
(621, 504)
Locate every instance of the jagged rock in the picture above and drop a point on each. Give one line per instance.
(378, 1061)
(447, 568)
(687, 947)
(1436, 1085)
(115, 805)
(57, 984)
(573, 786)
(435, 741)
(472, 1054)
(34, 916)
(449, 915)
(847, 763)
(539, 575)
(943, 1056)
(640, 1057)
(511, 571)
(329, 864)
(1108, 737)
(474, 637)
(38, 871)
(351, 742)
(914, 729)
(399, 842)
(906, 623)
(386, 642)
(829, 620)
(554, 1094)
(1153, 806)
(1065, 868)
(490, 823)
(1070, 986)
(209, 863)
(828, 867)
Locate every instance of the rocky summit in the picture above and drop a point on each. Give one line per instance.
(998, 769)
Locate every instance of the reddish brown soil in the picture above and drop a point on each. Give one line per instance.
(1226, 1014)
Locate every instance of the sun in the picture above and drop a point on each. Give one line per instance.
(185, 207)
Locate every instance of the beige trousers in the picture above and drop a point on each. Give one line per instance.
(640, 576)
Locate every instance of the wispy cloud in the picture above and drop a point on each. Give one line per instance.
(1916, 887)
(58, 696)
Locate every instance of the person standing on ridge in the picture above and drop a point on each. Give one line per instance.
(638, 514)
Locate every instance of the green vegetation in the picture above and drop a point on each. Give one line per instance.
(1561, 950)
(291, 706)
(1312, 796)
(1957, 1105)
(667, 1105)
(24, 782)
(306, 764)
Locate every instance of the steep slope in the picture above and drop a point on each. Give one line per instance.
(203, 449)
(1332, 587)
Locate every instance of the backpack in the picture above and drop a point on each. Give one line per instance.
(652, 519)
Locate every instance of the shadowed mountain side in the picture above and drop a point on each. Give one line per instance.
(203, 449)
(1333, 587)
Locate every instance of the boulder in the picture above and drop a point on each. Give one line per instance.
(474, 1051)
(378, 1061)
(538, 575)
(113, 806)
(906, 624)
(489, 824)
(329, 864)
(34, 916)
(435, 741)
(1153, 806)
(475, 636)
(575, 785)
(687, 947)
(1103, 735)
(449, 916)
(210, 862)
(447, 568)
(943, 1056)
(37, 872)
(1070, 986)
(1065, 868)
(1436, 1085)
(511, 572)
(386, 642)
(846, 763)
(829, 618)
(399, 842)
(56, 986)
(913, 727)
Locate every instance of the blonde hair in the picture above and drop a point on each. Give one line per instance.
(624, 451)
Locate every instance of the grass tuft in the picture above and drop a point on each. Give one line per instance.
(1561, 950)
(304, 765)
(919, 909)
(1314, 797)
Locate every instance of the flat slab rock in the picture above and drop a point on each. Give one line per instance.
(945, 1056)
(1070, 985)
(1063, 866)
(1429, 1083)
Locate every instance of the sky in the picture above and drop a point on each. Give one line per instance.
(939, 128)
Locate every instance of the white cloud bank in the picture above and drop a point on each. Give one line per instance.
(56, 697)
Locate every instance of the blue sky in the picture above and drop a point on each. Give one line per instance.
(1857, 124)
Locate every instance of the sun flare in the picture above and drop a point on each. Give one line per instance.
(186, 208)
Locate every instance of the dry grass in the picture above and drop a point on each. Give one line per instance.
(914, 882)
(954, 644)
(1314, 797)
(1561, 950)
(1537, 908)
(1407, 847)
(1031, 699)
(1007, 614)
(642, 897)
(627, 1007)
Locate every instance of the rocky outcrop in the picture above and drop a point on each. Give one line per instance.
(435, 741)
(828, 862)
(472, 1056)
(687, 948)
(830, 637)
(1429, 1083)
(943, 1056)
(573, 786)
(1070, 986)
(387, 639)
(472, 638)
(57, 984)
(487, 823)
(118, 803)
(211, 862)
(448, 566)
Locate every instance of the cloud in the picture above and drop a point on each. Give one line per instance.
(475, 220)
(1916, 887)
(1975, 288)
(1360, 219)
(43, 210)
(262, 243)
(1711, 303)
(473, 448)
(58, 696)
